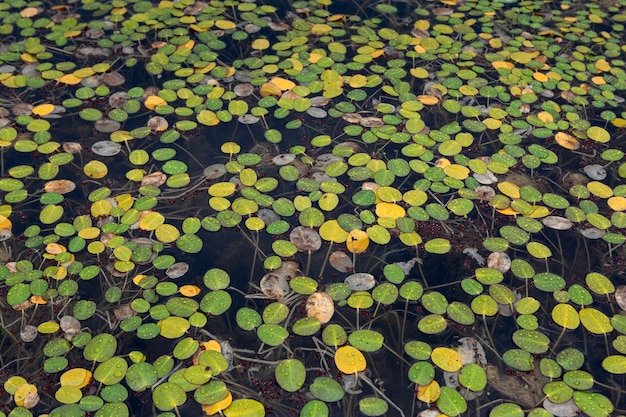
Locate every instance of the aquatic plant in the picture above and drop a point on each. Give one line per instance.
(312, 208)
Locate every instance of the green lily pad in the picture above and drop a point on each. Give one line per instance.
(111, 371)
(290, 374)
(593, 404)
(141, 376)
(168, 396)
(245, 408)
(101, 348)
(211, 393)
(451, 402)
(326, 389)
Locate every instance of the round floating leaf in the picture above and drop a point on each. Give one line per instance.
(100, 348)
(615, 364)
(173, 327)
(538, 250)
(473, 377)
(349, 360)
(451, 402)
(326, 389)
(168, 396)
(314, 408)
(141, 376)
(437, 246)
(248, 318)
(598, 134)
(432, 324)
(531, 341)
(290, 374)
(272, 334)
(565, 316)
(447, 359)
(373, 406)
(421, 373)
(111, 371)
(593, 404)
(512, 410)
(211, 393)
(518, 359)
(595, 321)
(68, 394)
(245, 408)
(366, 340)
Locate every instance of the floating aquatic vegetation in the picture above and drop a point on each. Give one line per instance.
(285, 195)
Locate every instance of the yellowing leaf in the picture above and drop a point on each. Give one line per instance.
(166, 233)
(28, 58)
(321, 29)
(69, 79)
(283, 83)
(617, 203)
(509, 189)
(602, 65)
(314, 57)
(540, 76)
(215, 408)
(565, 316)
(208, 118)
(187, 45)
(447, 359)
(95, 169)
(619, 122)
(332, 232)
(428, 100)
(225, 24)
(357, 241)
(89, 233)
(212, 345)
(29, 12)
(189, 290)
(595, 321)
(358, 81)
(597, 80)
(508, 211)
(456, 171)
(22, 392)
(419, 72)
(429, 393)
(137, 278)
(350, 360)
(260, 44)
(421, 24)
(55, 248)
(76, 377)
(600, 189)
(153, 101)
(539, 211)
(230, 148)
(38, 299)
(522, 57)
(503, 65)
(101, 208)
(598, 134)
(567, 141)
(43, 109)
(5, 224)
(390, 210)
(545, 117)
(222, 189)
(270, 89)
(151, 221)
